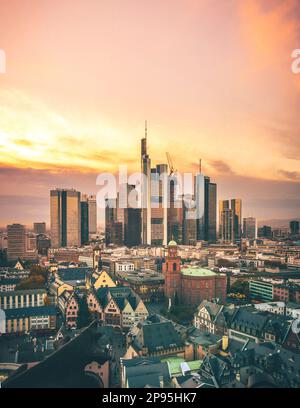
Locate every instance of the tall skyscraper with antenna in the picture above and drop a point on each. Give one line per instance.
(146, 191)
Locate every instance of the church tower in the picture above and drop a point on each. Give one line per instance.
(171, 271)
(97, 267)
(97, 259)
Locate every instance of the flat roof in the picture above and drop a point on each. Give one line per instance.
(23, 292)
(197, 272)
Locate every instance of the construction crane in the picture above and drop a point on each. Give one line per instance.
(170, 162)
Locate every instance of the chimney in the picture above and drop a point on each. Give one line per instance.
(225, 340)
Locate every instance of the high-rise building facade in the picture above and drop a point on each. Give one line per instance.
(206, 208)
(43, 244)
(236, 206)
(201, 198)
(30, 241)
(226, 222)
(114, 222)
(39, 227)
(212, 213)
(294, 227)
(249, 228)
(122, 220)
(65, 216)
(84, 218)
(223, 205)
(16, 241)
(88, 217)
(132, 220)
(230, 220)
(175, 212)
(154, 212)
(146, 191)
(159, 209)
(265, 232)
(92, 209)
(189, 221)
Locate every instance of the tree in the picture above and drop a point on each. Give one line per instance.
(36, 280)
(240, 286)
(226, 263)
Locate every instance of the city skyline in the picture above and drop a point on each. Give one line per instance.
(214, 81)
(150, 197)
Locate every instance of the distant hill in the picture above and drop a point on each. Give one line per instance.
(274, 223)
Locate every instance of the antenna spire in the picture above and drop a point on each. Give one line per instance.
(146, 130)
(200, 166)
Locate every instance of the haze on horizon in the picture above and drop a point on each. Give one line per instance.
(212, 78)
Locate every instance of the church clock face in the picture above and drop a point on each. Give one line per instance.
(172, 252)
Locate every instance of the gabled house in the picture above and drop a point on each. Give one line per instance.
(112, 313)
(117, 306)
(99, 279)
(291, 340)
(94, 305)
(19, 265)
(69, 307)
(276, 329)
(213, 317)
(216, 371)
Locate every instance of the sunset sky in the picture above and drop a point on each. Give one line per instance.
(213, 78)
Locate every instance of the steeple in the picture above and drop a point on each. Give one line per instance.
(96, 257)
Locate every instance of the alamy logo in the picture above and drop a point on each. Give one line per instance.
(296, 63)
(139, 190)
(2, 62)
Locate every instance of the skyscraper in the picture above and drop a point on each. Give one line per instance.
(110, 219)
(39, 227)
(212, 213)
(249, 228)
(236, 206)
(65, 215)
(92, 209)
(88, 217)
(227, 234)
(265, 232)
(230, 220)
(16, 241)
(294, 227)
(201, 215)
(132, 219)
(189, 221)
(175, 212)
(146, 191)
(84, 212)
(122, 221)
(206, 208)
(223, 205)
(158, 209)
